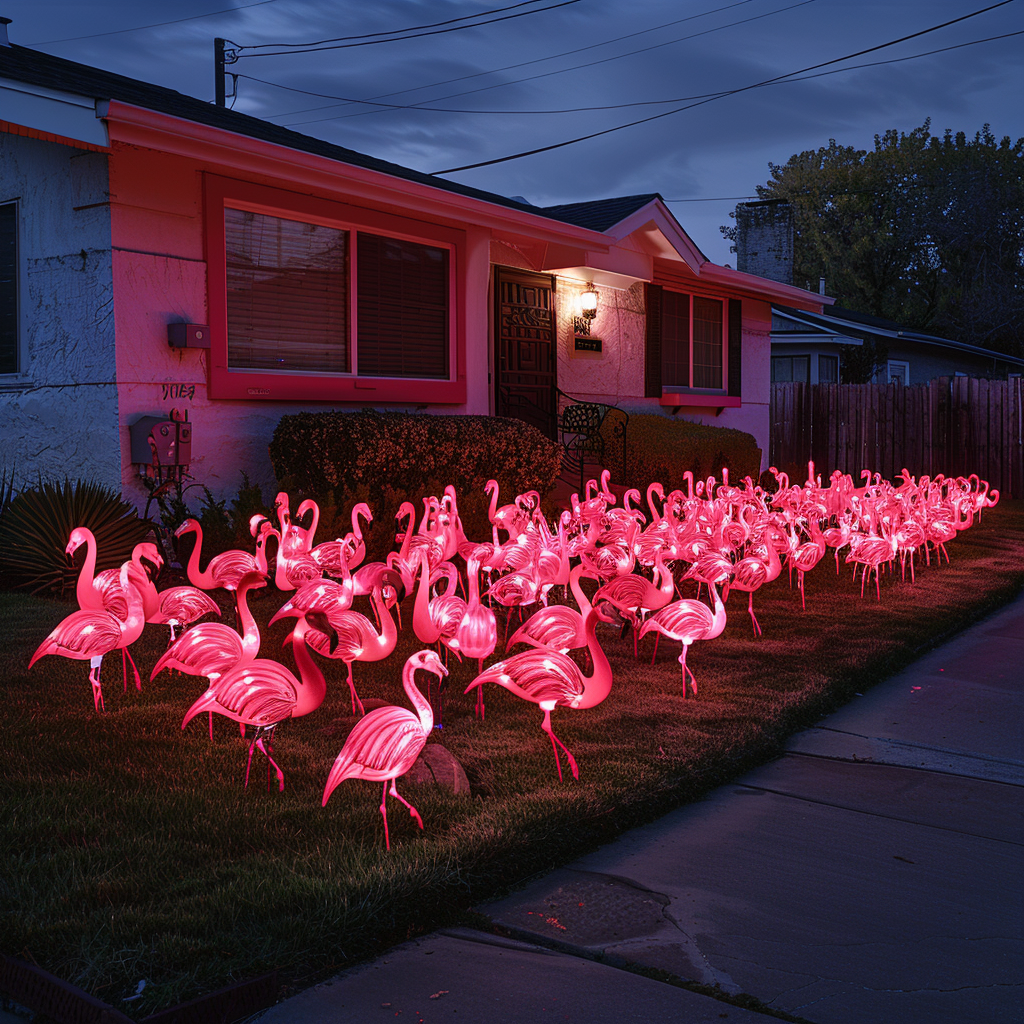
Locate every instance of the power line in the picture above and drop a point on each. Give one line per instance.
(731, 92)
(527, 63)
(159, 24)
(397, 39)
(620, 106)
(396, 31)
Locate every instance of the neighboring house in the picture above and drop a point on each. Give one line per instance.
(810, 347)
(319, 278)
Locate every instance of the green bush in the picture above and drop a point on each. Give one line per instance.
(37, 523)
(663, 449)
(385, 458)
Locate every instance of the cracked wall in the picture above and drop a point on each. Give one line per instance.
(59, 411)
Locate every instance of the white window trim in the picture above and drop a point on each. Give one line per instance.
(897, 362)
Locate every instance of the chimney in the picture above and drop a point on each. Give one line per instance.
(821, 286)
(4, 22)
(764, 239)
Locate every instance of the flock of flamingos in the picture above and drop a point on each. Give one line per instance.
(716, 534)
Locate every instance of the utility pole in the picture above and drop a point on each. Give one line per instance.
(218, 70)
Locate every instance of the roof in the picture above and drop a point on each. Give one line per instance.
(839, 320)
(598, 214)
(22, 64)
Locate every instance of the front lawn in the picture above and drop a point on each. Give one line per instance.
(131, 850)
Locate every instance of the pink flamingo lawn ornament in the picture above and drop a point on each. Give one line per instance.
(88, 634)
(477, 632)
(213, 648)
(263, 693)
(631, 594)
(751, 573)
(224, 570)
(688, 621)
(353, 636)
(385, 744)
(551, 679)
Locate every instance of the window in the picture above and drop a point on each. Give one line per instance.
(683, 361)
(707, 343)
(897, 372)
(692, 343)
(791, 368)
(828, 369)
(313, 299)
(9, 288)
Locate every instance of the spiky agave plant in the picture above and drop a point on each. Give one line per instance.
(37, 523)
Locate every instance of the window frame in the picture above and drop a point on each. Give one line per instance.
(20, 290)
(689, 389)
(776, 359)
(904, 364)
(837, 363)
(291, 385)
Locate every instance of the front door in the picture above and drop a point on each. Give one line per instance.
(526, 352)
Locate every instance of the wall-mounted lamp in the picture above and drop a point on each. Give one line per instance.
(586, 306)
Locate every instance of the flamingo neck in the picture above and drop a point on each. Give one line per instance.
(418, 701)
(203, 580)
(250, 631)
(312, 686)
(599, 684)
(87, 597)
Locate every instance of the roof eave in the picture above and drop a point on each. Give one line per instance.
(133, 125)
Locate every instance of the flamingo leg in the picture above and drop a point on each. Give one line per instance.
(478, 711)
(135, 669)
(654, 656)
(355, 696)
(271, 761)
(94, 679)
(753, 617)
(384, 812)
(412, 810)
(555, 744)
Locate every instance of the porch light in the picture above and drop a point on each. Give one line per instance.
(586, 310)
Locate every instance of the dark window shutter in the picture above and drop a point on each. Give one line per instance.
(652, 366)
(735, 346)
(402, 308)
(9, 288)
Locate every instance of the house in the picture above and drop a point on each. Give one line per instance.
(159, 253)
(814, 346)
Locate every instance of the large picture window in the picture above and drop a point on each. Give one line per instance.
(313, 299)
(691, 341)
(9, 288)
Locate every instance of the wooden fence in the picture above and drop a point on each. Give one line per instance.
(952, 425)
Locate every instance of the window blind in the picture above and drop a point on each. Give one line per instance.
(402, 290)
(287, 285)
(707, 343)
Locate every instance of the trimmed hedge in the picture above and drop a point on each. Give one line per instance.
(385, 458)
(663, 449)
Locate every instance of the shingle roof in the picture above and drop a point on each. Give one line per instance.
(598, 214)
(23, 64)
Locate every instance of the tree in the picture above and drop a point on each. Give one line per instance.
(923, 230)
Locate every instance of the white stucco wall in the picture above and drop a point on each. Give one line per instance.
(59, 413)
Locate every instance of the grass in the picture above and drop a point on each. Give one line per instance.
(131, 850)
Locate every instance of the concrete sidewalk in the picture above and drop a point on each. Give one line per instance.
(873, 873)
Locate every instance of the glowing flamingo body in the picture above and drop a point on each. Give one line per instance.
(87, 635)
(224, 570)
(688, 621)
(386, 742)
(263, 693)
(551, 679)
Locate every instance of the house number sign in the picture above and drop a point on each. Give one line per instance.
(587, 344)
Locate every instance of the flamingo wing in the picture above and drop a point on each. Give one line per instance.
(261, 692)
(557, 626)
(207, 649)
(681, 620)
(82, 635)
(184, 604)
(383, 745)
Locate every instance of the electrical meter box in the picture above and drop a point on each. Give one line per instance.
(161, 441)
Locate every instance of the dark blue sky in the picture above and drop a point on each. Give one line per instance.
(495, 81)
